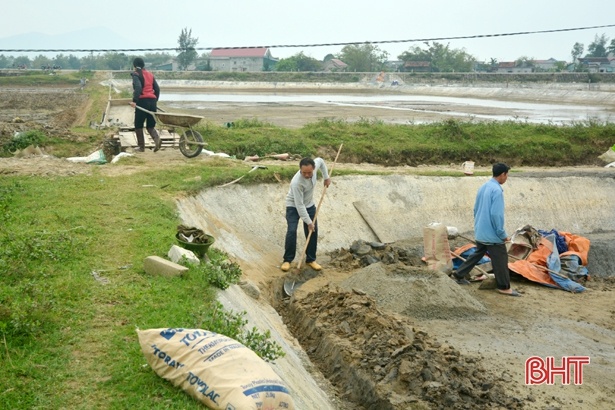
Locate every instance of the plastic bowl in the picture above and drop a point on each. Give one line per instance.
(199, 249)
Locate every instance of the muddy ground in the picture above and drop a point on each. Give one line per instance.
(396, 346)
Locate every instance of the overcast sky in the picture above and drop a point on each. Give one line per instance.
(233, 23)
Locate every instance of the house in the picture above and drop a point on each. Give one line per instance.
(334, 65)
(168, 66)
(173, 65)
(394, 65)
(547, 65)
(598, 64)
(241, 59)
(511, 67)
(417, 66)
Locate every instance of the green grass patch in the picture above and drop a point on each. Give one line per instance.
(39, 78)
(74, 291)
(517, 143)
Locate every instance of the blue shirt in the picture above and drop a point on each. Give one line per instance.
(489, 213)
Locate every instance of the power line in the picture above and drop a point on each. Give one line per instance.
(415, 40)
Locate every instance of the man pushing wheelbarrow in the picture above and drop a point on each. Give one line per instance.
(146, 93)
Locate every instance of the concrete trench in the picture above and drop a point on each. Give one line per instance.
(248, 223)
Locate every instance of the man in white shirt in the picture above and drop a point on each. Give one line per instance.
(300, 205)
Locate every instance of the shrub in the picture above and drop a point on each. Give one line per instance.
(23, 140)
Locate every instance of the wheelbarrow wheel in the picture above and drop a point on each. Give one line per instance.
(191, 143)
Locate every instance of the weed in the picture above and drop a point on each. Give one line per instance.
(262, 344)
(232, 325)
(23, 140)
(220, 275)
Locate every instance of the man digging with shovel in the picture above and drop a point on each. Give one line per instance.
(489, 232)
(300, 205)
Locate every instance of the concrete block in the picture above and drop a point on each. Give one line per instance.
(177, 253)
(155, 265)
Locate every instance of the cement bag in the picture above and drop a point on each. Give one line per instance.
(218, 371)
(436, 248)
(97, 157)
(608, 156)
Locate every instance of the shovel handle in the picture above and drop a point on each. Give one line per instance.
(148, 111)
(307, 240)
(476, 266)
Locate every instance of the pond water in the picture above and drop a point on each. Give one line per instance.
(488, 109)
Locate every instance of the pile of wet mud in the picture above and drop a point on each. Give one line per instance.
(378, 360)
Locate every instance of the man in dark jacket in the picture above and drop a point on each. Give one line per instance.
(145, 95)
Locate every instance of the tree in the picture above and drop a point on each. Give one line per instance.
(441, 57)
(62, 61)
(287, 64)
(364, 58)
(597, 48)
(41, 61)
(204, 62)
(156, 59)
(187, 53)
(577, 51)
(88, 62)
(524, 61)
(22, 61)
(74, 62)
(560, 66)
(298, 62)
(611, 48)
(5, 62)
(117, 61)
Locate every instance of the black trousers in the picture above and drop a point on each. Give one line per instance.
(141, 117)
(290, 244)
(499, 261)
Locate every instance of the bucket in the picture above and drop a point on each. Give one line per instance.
(200, 249)
(468, 167)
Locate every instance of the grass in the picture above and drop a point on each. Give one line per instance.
(38, 78)
(452, 141)
(74, 290)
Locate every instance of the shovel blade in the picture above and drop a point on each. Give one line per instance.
(290, 285)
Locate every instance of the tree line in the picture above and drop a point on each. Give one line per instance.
(358, 58)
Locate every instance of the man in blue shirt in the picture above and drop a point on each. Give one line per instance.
(489, 232)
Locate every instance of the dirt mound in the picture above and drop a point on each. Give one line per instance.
(414, 291)
(380, 361)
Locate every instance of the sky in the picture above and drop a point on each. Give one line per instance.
(237, 23)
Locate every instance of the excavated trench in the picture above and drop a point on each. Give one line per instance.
(377, 330)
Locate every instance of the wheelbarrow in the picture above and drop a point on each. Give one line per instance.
(190, 141)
